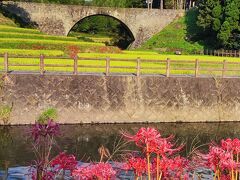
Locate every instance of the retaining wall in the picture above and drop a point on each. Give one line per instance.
(110, 99)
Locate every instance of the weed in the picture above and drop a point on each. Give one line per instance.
(50, 113)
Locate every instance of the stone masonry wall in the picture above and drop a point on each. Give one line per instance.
(96, 98)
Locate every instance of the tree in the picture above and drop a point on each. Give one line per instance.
(220, 19)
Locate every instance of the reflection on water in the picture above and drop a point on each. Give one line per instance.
(84, 140)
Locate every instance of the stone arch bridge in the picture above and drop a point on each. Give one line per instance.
(59, 19)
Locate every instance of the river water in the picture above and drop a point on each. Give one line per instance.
(84, 140)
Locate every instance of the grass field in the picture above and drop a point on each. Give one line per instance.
(30, 42)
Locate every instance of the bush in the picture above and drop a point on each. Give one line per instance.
(50, 113)
(5, 112)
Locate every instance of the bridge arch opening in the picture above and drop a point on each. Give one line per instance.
(103, 28)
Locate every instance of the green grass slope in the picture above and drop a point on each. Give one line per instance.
(176, 36)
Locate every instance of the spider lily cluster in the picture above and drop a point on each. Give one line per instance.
(158, 158)
(222, 159)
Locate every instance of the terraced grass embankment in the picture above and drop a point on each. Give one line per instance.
(16, 38)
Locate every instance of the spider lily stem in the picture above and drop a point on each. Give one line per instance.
(236, 177)
(216, 175)
(233, 177)
(160, 177)
(148, 163)
(158, 158)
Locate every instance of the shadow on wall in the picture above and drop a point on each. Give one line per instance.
(20, 15)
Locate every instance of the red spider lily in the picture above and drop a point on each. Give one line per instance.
(214, 158)
(144, 136)
(45, 175)
(100, 171)
(231, 145)
(150, 140)
(48, 175)
(164, 147)
(83, 173)
(221, 160)
(73, 51)
(177, 166)
(64, 162)
(43, 130)
(138, 165)
(171, 168)
(104, 171)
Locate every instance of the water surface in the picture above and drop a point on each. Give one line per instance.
(84, 140)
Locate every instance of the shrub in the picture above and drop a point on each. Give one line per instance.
(5, 112)
(50, 113)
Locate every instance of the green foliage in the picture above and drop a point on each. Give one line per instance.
(216, 24)
(168, 4)
(224, 32)
(108, 3)
(100, 24)
(97, 24)
(220, 20)
(217, 11)
(111, 3)
(5, 112)
(50, 113)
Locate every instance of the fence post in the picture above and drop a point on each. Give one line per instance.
(107, 66)
(138, 66)
(75, 65)
(168, 67)
(224, 68)
(222, 53)
(41, 64)
(196, 67)
(6, 62)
